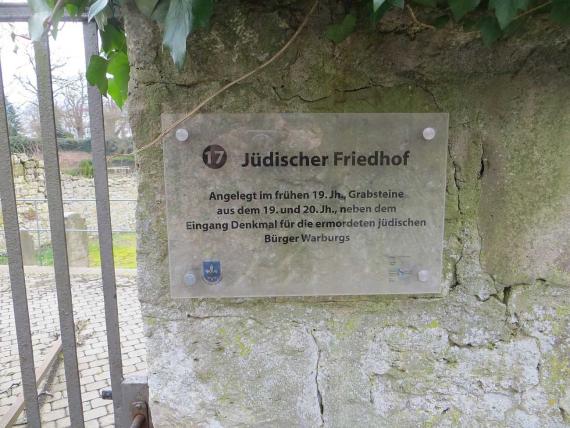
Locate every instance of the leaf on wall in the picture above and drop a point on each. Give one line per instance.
(119, 68)
(460, 8)
(560, 12)
(376, 4)
(490, 30)
(146, 6)
(96, 73)
(177, 27)
(96, 8)
(40, 12)
(202, 12)
(338, 32)
(506, 10)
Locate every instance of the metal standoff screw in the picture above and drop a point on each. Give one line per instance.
(423, 276)
(428, 134)
(182, 134)
(190, 278)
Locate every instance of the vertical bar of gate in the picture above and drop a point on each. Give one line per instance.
(97, 128)
(37, 252)
(57, 226)
(16, 267)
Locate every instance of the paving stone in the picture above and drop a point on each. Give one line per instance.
(88, 396)
(98, 402)
(107, 421)
(53, 415)
(102, 376)
(92, 371)
(92, 424)
(95, 386)
(86, 380)
(95, 413)
(63, 423)
(92, 343)
(58, 404)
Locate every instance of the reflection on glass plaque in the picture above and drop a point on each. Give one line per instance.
(297, 204)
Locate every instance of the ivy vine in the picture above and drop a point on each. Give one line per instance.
(109, 71)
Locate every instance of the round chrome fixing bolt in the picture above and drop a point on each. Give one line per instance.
(428, 134)
(423, 276)
(189, 279)
(181, 134)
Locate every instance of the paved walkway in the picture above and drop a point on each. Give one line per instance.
(92, 342)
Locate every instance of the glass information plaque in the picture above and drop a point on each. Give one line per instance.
(297, 204)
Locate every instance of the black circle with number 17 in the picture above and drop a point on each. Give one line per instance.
(214, 156)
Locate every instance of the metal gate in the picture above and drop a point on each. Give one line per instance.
(129, 396)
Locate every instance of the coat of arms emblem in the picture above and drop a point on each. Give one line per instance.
(212, 271)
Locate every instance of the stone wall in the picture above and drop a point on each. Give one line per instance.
(494, 350)
(29, 176)
(29, 181)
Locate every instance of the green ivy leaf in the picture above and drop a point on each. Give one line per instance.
(40, 12)
(506, 10)
(57, 15)
(338, 32)
(397, 3)
(441, 21)
(516, 26)
(177, 26)
(202, 12)
(560, 12)
(102, 17)
(96, 8)
(118, 91)
(376, 4)
(75, 7)
(377, 16)
(118, 64)
(72, 9)
(460, 8)
(112, 39)
(490, 30)
(159, 14)
(97, 73)
(468, 24)
(119, 68)
(146, 6)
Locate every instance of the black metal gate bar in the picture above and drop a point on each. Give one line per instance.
(97, 128)
(16, 267)
(57, 225)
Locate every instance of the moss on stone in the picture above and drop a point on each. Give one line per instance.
(507, 141)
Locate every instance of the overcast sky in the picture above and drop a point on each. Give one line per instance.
(66, 49)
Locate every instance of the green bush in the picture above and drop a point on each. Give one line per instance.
(85, 169)
(23, 144)
(71, 144)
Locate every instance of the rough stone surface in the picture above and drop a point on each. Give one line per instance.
(493, 351)
(77, 242)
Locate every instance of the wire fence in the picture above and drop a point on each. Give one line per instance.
(81, 231)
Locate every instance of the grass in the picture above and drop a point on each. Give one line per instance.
(124, 252)
(45, 256)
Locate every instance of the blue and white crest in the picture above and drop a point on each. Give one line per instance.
(212, 271)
